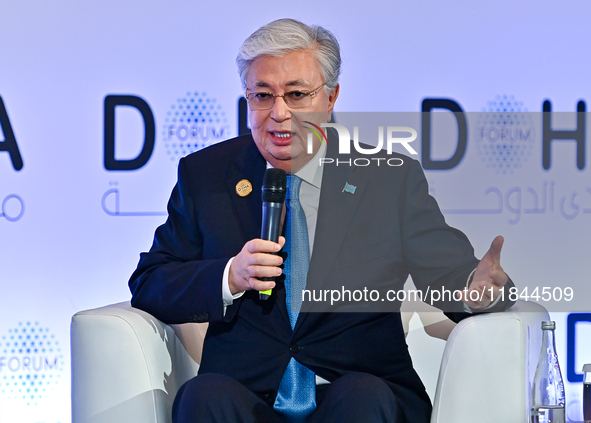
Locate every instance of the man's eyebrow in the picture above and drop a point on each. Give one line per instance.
(294, 83)
(297, 82)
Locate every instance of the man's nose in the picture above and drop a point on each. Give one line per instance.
(280, 110)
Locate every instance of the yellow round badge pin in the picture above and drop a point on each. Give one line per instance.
(243, 188)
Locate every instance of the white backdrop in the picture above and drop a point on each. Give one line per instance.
(71, 230)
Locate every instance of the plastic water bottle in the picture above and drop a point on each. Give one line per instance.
(547, 393)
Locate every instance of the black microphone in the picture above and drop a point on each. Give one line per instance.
(274, 190)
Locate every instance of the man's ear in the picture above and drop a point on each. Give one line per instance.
(332, 98)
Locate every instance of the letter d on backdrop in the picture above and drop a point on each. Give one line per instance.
(441, 103)
(111, 102)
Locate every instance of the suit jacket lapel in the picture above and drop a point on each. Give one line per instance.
(250, 165)
(335, 212)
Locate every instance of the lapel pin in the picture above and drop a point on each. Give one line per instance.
(349, 188)
(243, 188)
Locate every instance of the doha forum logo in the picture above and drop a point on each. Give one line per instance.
(31, 363)
(193, 122)
(504, 134)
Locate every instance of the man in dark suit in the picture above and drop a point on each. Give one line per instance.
(206, 263)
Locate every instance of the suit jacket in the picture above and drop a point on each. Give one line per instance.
(387, 229)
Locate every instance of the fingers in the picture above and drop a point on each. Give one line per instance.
(489, 270)
(495, 248)
(253, 263)
(254, 284)
(261, 246)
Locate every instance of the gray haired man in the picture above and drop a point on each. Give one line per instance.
(263, 362)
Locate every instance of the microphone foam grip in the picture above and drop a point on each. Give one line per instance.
(274, 186)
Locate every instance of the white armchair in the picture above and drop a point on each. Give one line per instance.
(127, 366)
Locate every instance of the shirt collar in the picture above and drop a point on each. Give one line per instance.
(312, 171)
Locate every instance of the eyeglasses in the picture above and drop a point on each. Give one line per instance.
(293, 99)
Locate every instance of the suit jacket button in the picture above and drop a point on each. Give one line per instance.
(269, 399)
(295, 348)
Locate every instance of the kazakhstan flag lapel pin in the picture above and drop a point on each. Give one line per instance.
(349, 188)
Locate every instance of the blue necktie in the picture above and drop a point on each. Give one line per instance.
(296, 398)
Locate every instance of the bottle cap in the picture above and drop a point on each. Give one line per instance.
(548, 325)
(586, 368)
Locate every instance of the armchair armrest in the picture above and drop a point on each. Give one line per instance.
(127, 366)
(487, 366)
